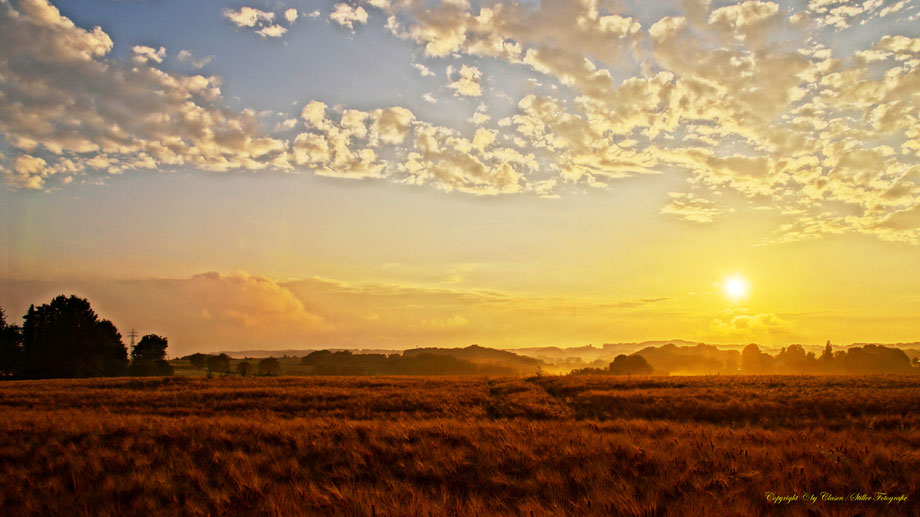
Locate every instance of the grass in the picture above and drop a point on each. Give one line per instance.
(458, 446)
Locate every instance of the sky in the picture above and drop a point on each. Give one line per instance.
(402, 173)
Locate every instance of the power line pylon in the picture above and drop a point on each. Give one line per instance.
(132, 335)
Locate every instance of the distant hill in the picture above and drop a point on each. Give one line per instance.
(675, 355)
(483, 356)
(240, 354)
(699, 359)
(555, 354)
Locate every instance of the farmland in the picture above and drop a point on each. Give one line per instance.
(593, 445)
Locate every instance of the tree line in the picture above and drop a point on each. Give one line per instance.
(220, 363)
(621, 365)
(425, 362)
(66, 339)
(793, 359)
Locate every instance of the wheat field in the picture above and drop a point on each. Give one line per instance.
(461, 446)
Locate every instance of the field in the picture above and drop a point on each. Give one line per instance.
(461, 446)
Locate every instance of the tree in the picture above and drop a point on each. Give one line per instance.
(755, 361)
(65, 338)
(149, 357)
(794, 359)
(269, 366)
(826, 360)
(10, 348)
(198, 360)
(244, 368)
(218, 363)
(630, 365)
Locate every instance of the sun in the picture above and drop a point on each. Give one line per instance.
(736, 287)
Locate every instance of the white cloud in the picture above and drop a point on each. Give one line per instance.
(187, 57)
(748, 328)
(347, 16)
(271, 31)
(124, 116)
(290, 15)
(423, 70)
(248, 16)
(144, 54)
(748, 98)
(467, 83)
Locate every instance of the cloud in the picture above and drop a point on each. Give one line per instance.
(28, 172)
(144, 54)
(749, 99)
(262, 22)
(347, 16)
(248, 16)
(187, 57)
(347, 148)
(125, 116)
(271, 31)
(690, 208)
(467, 83)
(423, 70)
(204, 312)
(745, 327)
(241, 311)
(841, 14)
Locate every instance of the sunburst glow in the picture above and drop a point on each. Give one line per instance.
(736, 287)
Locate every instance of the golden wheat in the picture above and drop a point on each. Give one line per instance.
(458, 446)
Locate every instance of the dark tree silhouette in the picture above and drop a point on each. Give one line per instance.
(10, 348)
(149, 357)
(198, 360)
(269, 366)
(630, 365)
(65, 338)
(794, 359)
(755, 361)
(244, 368)
(218, 363)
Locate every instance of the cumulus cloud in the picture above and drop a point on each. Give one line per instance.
(124, 116)
(204, 312)
(261, 22)
(248, 16)
(841, 14)
(241, 311)
(347, 16)
(745, 327)
(144, 54)
(742, 98)
(346, 148)
(467, 83)
(271, 31)
(196, 62)
(423, 70)
(741, 78)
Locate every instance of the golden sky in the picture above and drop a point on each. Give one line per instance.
(391, 174)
